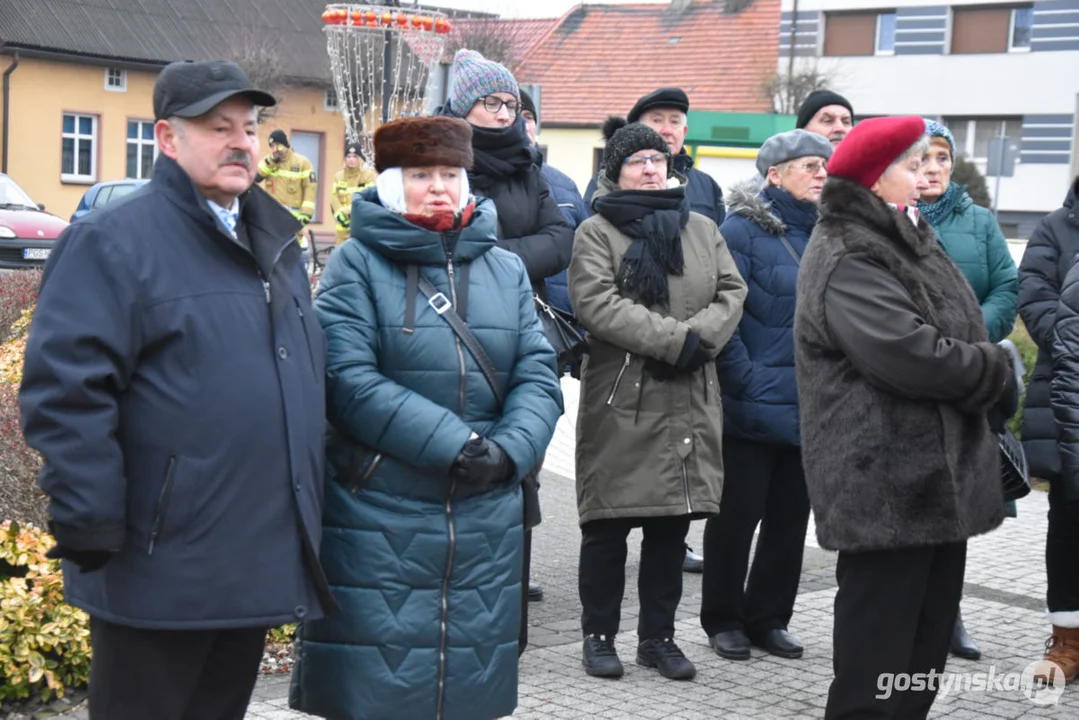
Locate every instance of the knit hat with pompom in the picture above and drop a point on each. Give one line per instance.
(624, 139)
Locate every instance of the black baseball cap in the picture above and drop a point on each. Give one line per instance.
(192, 89)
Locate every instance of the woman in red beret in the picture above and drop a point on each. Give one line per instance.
(900, 392)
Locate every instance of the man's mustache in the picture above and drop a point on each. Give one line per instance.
(238, 156)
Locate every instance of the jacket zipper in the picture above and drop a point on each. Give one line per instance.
(618, 380)
(162, 504)
(446, 603)
(685, 486)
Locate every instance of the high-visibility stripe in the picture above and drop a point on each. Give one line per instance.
(276, 172)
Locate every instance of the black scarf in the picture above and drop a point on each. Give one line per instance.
(499, 153)
(654, 219)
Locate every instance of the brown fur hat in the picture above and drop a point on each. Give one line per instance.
(423, 142)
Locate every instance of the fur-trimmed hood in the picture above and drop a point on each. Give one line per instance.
(745, 199)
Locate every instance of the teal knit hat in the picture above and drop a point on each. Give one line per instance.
(472, 77)
(936, 129)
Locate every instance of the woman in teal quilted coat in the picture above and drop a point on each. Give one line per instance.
(970, 235)
(422, 527)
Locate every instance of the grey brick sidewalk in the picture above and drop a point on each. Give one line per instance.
(1003, 608)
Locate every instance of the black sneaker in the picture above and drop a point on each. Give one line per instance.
(665, 656)
(600, 657)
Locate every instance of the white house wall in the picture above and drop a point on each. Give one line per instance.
(1040, 85)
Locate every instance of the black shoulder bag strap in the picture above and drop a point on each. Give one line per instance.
(791, 250)
(442, 305)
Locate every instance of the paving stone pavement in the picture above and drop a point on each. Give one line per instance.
(1003, 607)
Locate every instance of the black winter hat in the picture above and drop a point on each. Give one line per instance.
(670, 97)
(278, 137)
(624, 139)
(528, 104)
(815, 101)
(354, 149)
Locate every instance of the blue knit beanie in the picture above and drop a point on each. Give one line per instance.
(936, 129)
(472, 77)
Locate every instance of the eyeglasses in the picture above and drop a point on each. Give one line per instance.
(812, 167)
(494, 105)
(638, 162)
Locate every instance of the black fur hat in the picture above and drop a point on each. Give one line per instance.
(624, 139)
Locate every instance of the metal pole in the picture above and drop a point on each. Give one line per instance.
(1000, 172)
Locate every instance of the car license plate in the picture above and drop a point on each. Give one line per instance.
(36, 253)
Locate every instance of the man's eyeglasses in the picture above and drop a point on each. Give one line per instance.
(812, 166)
(494, 105)
(637, 161)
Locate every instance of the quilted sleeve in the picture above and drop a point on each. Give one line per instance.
(998, 308)
(361, 402)
(534, 396)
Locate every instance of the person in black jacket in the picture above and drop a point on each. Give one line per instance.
(1049, 306)
(174, 385)
(530, 224)
(665, 111)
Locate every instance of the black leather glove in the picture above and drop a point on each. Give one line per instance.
(1007, 405)
(87, 560)
(694, 355)
(482, 462)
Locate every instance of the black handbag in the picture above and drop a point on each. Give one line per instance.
(562, 333)
(441, 305)
(1014, 474)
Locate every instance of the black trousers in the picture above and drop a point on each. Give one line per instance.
(1061, 550)
(172, 674)
(894, 613)
(602, 574)
(763, 483)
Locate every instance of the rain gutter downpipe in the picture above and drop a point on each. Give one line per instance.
(7, 109)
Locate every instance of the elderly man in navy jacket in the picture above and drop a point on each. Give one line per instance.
(174, 385)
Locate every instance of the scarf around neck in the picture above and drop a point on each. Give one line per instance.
(500, 153)
(654, 219)
(945, 204)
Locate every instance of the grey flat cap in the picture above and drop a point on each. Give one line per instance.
(791, 145)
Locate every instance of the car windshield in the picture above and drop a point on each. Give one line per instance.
(11, 194)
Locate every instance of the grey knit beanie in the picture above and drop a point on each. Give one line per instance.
(625, 139)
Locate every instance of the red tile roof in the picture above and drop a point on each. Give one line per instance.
(524, 35)
(599, 59)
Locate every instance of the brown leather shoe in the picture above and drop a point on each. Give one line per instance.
(1062, 649)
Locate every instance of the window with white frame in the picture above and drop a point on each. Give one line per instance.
(1021, 26)
(141, 149)
(116, 79)
(78, 157)
(885, 43)
(329, 101)
(972, 134)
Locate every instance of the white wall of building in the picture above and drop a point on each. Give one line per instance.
(1012, 84)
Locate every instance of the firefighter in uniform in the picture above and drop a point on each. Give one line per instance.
(290, 179)
(348, 181)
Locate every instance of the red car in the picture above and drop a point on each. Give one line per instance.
(27, 232)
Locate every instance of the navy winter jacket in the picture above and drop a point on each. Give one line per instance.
(570, 202)
(427, 569)
(174, 384)
(756, 368)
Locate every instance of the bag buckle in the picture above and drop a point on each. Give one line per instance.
(440, 303)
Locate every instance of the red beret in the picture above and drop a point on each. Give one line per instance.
(872, 146)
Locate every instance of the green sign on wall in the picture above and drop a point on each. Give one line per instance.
(744, 130)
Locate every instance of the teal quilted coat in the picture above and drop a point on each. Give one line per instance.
(970, 235)
(427, 570)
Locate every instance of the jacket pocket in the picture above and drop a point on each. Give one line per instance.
(162, 505)
(618, 378)
(361, 468)
(307, 338)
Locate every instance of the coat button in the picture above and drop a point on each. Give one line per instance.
(282, 353)
(300, 612)
(686, 441)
